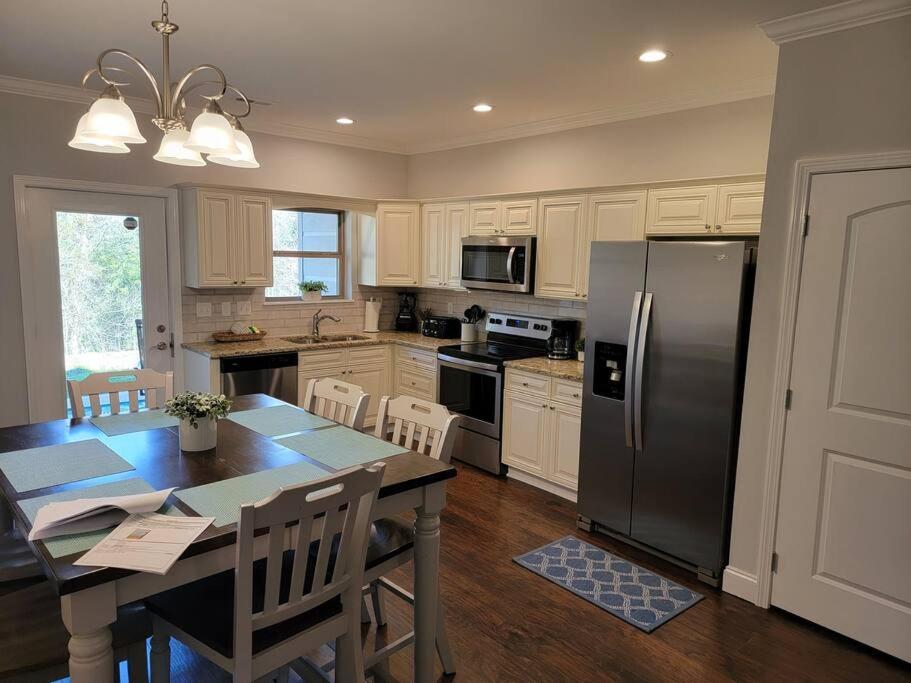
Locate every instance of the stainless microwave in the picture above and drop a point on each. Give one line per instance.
(501, 263)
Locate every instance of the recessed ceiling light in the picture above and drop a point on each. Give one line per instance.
(344, 120)
(653, 56)
(482, 108)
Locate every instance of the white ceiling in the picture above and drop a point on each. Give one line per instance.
(409, 71)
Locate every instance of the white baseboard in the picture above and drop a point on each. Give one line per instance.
(740, 583)
(537, 482)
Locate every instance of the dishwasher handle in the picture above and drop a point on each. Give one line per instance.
(263, 362)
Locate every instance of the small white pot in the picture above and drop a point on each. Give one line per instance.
(469, 332)
(201, 438)
(580, 356)
(311, 296)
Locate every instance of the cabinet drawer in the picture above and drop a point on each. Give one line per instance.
(367, 354)
(312, 360)
(527, 383)
(425, 359)
(418, 383)
(567, 391)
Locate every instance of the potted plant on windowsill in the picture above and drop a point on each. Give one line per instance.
(198, 413)
(580, 349)
(312, 290)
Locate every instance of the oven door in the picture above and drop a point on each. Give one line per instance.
(474, 391)
(500, 263)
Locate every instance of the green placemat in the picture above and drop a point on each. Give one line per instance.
(79, 543)
(341, 447)
(222, 499)
(279, 420)
(125, 423)
(35, 468)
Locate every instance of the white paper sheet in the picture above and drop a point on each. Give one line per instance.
(146, 542)
(90, 514)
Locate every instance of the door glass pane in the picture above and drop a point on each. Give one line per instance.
(100, 292)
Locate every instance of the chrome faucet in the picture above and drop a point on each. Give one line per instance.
(317, 319)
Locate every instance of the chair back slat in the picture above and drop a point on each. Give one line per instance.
(274, 567)
(330, 524)
(113, 384)
(338, 401)
(418, 425)
(301, 557)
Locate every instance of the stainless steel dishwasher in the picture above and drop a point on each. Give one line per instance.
(274, 374)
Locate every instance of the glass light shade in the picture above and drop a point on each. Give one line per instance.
(89, 143)
(244, 159)
(212, 134)
(173, 150)
(112, 119)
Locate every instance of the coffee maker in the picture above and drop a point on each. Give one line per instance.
(561, 344)
(406, 320)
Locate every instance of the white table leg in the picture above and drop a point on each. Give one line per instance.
(426, 580)
(88, 615)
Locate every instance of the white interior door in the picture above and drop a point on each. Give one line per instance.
(844, 524)
(88, 275)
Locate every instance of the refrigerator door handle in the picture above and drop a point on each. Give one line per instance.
(630, 364)
(640, 362)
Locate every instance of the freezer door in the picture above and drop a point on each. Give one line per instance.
(617, 278)
(690, 385)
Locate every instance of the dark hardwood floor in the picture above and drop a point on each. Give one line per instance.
(507, 624)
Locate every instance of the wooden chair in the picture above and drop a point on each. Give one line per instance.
(427, 428)
(337, 401)
(113, 383)
(264, 614)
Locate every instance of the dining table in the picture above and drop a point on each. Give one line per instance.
(90, 596)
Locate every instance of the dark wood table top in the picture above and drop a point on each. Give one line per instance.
(157, 457)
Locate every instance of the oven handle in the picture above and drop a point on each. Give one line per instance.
(467, 365)
(509, 259)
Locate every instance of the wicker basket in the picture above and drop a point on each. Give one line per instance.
(231, 337)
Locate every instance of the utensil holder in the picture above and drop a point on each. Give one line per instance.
(469, 332)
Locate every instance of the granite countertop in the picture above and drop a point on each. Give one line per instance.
(267, 345)
(562, 369)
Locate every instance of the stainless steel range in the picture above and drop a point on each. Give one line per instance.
(471, 382)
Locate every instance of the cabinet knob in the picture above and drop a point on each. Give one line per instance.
(524, 384)
(243, 282)
(235, 282)
(717, 228)
(552, 408)
(708, 227)
(543, 405)
(575, 395)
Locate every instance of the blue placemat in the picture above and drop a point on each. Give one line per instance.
(222, 499)
(636, 595)
(341, 447)
(278, 420)
(35, 468)
(125, 423)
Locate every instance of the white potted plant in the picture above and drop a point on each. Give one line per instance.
(312, 290)
(198, 413)
(580, 349)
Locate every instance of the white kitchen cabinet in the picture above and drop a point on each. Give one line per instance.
(442, 229)
(565, 433)
(525, 433)
(562, 245)
(390, 246)
(415, 373)
(707, 209)
(739, 209)
(612, 216)
(456, 227)
(373, 379)
(227, 239)
(485, 218)
(504, 217)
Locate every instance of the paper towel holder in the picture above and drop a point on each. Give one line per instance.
(372, 314)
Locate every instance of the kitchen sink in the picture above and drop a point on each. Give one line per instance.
(325, 339)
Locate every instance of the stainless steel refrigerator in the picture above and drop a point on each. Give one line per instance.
(664, 360)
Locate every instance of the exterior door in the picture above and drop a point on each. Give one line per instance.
(94, 290)
(844, 537)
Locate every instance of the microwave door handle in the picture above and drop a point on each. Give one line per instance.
(630, 365)
(509, 264)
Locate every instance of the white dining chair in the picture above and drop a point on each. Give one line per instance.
(113, 383)
(430, 429)
(338, 401)
(260, 617)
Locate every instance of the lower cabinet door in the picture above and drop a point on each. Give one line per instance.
(374, 381)
(304, 377)
(524, 433)
(415, 381)
(564, 432)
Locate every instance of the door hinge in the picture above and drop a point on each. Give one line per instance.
(774, 562)
(788, 395)
(806, 224)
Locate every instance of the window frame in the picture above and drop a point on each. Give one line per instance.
(301, 254)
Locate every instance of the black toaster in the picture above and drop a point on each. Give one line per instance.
(441, 327)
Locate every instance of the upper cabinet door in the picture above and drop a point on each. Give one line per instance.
(433, 245)
(681, 210)
(519, 217)
(485, 218)
(611, 217)
(398, 244)
(254, 241)
(560, 237)
(456, 227)
(739, 208)
(216, 243)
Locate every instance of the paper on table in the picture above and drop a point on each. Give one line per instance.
(146, 542)
(91, 514)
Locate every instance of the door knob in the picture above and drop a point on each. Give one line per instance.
(161, 346)
(160, 328)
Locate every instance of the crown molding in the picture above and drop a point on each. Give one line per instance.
(758, 87)
(838, 17)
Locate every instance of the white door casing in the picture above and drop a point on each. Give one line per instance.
(843, 536)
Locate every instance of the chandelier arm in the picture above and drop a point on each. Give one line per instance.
(179, 88)
(247, 104)
(142, 68)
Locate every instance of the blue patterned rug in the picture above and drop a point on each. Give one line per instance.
(636, 595)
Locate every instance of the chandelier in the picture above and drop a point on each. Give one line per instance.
(109, 125)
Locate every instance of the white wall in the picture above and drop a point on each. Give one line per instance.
(840, 93)
(33, 137)
(721, 140)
